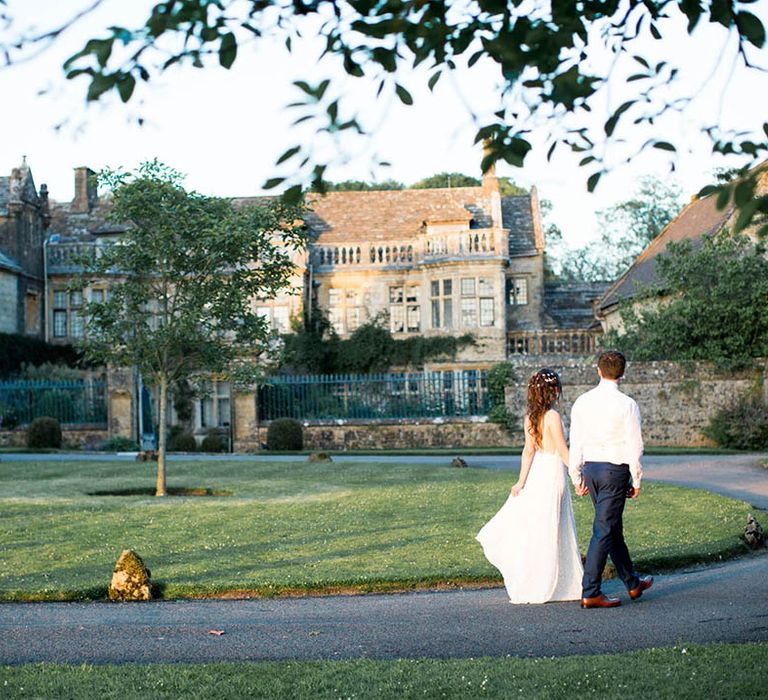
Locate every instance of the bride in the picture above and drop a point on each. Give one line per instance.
(532, 539)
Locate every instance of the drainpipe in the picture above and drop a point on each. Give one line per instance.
(53, 238)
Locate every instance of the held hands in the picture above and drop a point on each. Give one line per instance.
(516, 489)
(581, 488)
(633, 492)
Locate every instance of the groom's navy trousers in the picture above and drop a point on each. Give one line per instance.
(608, 485)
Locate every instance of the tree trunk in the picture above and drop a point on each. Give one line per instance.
(160, 491)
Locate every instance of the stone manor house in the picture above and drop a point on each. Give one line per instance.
(436, 261)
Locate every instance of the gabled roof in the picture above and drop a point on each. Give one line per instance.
(71, 224)
(393, 214)
(568, 305)
(699, 217)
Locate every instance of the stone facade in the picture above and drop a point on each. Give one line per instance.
(24, 218)
(9, 295)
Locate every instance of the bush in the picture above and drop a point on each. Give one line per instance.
(120, 443)
(44, 432)
(285, 434)
(180, 441)
(743, 426)
(214, 441)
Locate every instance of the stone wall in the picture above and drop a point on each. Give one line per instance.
(83, 437)
(676, 400)
(356, 435)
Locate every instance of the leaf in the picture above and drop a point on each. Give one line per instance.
(125, 87)
(228, 50)
(305, 87)
(99, 85)
(723, 197)
(322, 88)
(592, 181)
(433, 80)
(751, 28)
(273, 182)
(474, 58)
(664, 146)
(288, 155)
(403, 94)
(292, 195)
(610, 125)
(655, 32)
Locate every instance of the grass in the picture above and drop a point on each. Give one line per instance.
(696, 671)
(299, 527)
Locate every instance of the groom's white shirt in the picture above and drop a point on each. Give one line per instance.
(605, 427)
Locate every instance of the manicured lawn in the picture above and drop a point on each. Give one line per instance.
(711, 671)
(298, 527)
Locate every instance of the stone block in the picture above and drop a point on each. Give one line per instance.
(130, 578)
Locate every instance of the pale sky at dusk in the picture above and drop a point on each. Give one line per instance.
(225, 129)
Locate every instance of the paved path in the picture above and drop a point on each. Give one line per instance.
(720, 603)
(725, 603)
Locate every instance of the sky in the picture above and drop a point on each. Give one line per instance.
(225, 129)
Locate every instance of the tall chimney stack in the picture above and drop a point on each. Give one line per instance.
(491, 187)
(85, 190)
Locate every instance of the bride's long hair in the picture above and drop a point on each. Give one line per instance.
(544, 391)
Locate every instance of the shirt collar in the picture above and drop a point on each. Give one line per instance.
(608, 384)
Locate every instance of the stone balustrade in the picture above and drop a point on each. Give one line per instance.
(471, 244)
(554, 342)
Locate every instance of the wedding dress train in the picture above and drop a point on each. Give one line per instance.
(532, 539)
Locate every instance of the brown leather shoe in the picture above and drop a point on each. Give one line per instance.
(645, 583)
(600, 601)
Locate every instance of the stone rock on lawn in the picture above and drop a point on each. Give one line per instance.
(459, 463)
(319, 457)
(130, 578)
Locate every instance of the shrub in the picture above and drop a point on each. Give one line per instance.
(742, 426)
(44, 432)
(285, 434)
(214, 441)
(180, 441)
(500, 376)
(119, 443)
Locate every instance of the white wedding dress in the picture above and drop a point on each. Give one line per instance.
(532, 539)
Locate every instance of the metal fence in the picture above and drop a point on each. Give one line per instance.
(375, 396)
(73, 401)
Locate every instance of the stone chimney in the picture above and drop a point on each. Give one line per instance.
(85, 190)
(491, 188)
(45, 207)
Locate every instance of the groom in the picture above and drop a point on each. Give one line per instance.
(604, 461)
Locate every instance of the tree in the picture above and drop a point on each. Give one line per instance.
(182, 280)
(555, 63)
(627, 228)
(711, 303)
(359, 186)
